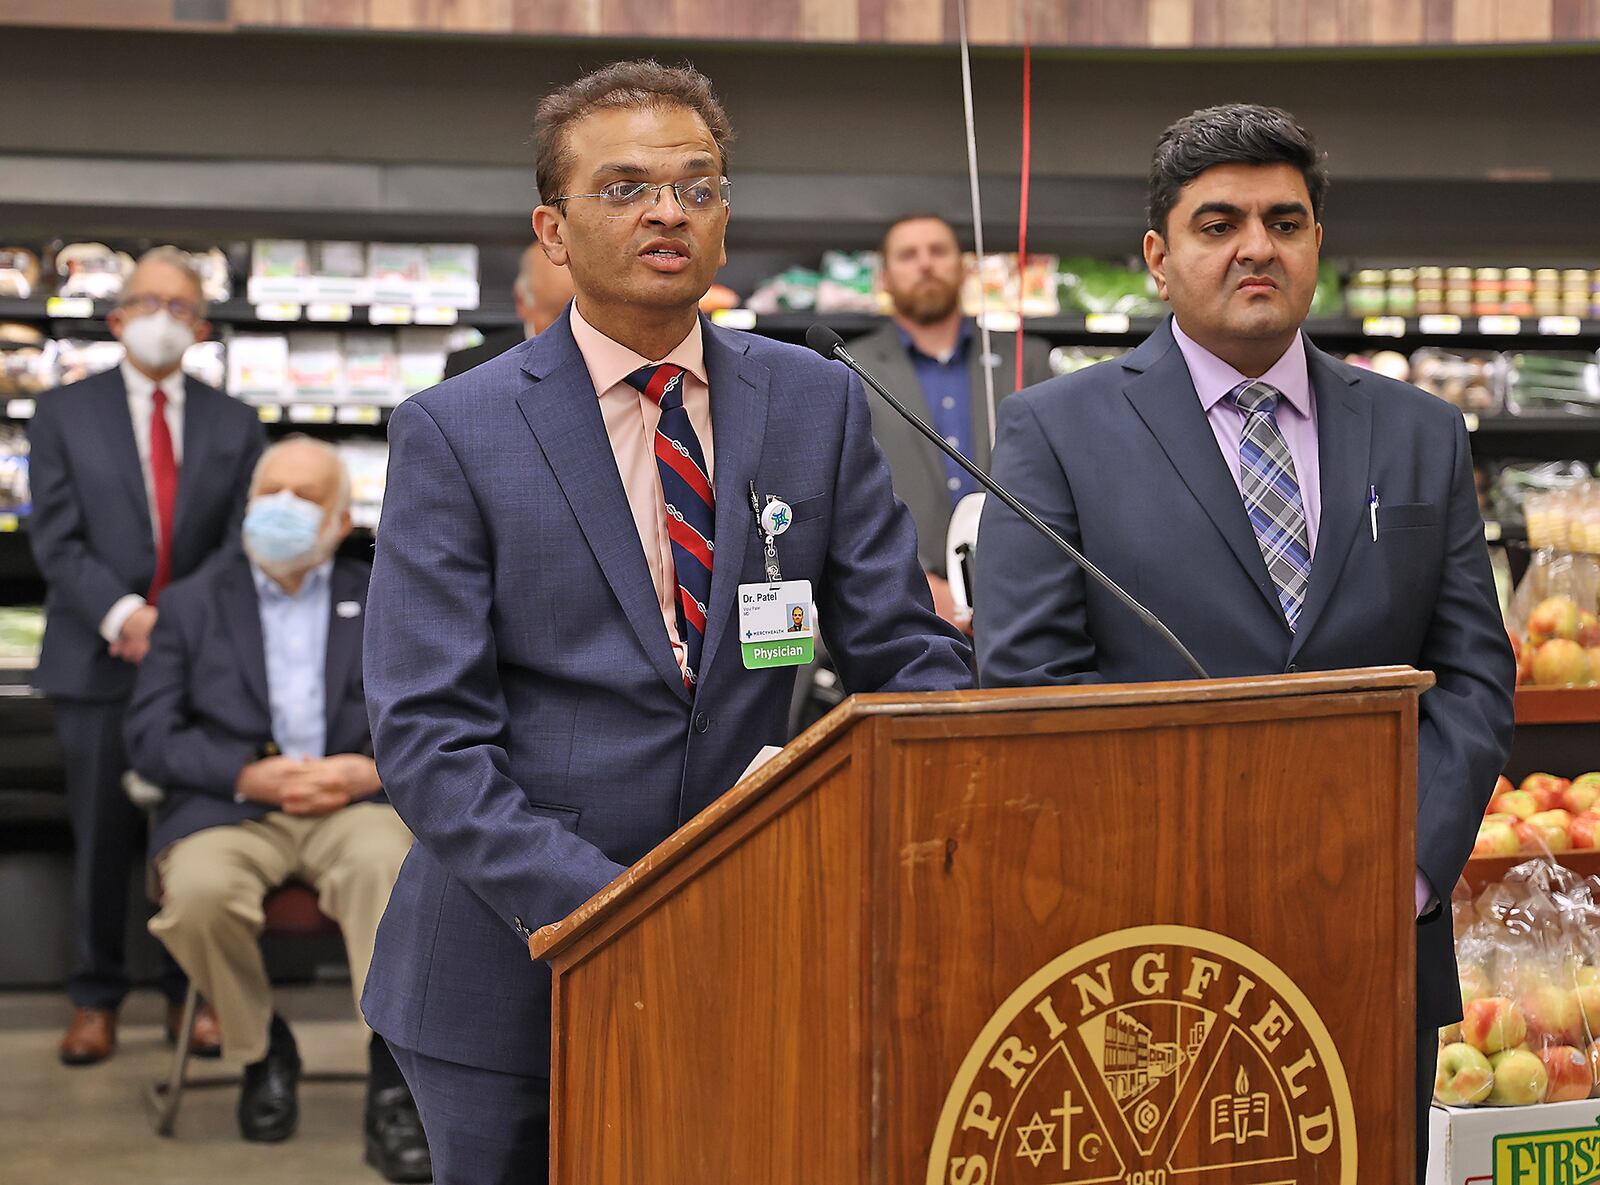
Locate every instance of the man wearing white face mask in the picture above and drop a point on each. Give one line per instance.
(139, 475)
(250, 710)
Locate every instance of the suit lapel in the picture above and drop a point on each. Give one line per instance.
(892, 367)
(344, 639)
(563, 412)
(123, 450)
(1344, 457)
(739, 398)
(1163, 395)
(243, 607)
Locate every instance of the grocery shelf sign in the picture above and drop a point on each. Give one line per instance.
(1570, 1157)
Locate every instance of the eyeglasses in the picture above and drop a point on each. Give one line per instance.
(696, 195)
(142, 306)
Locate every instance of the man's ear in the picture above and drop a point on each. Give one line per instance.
(550, 228)
(1155, 258)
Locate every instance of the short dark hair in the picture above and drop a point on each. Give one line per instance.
(883, 243)
(622, 85)
(1236, 134)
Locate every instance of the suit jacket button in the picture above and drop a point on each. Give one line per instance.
(701, 722)
(1291, 669)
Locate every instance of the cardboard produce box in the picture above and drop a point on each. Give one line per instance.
(1545, 1144)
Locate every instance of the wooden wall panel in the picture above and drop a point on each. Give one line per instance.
(1152, 24)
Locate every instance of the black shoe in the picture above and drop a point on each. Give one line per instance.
(396, 1146)
(268, 1107)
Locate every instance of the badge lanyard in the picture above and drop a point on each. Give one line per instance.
(772, 520)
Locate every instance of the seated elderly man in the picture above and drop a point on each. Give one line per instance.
(249, 711)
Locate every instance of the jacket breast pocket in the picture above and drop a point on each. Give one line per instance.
(809, 508)
(1407, 515)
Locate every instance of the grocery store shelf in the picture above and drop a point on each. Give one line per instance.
(235, 312)
(1486, 870)
(1558, 705)
(1570, 437)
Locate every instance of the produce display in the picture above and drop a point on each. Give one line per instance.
(1554, 616)
(1553, 383)
(1545, 814)
(14, 494)
(1474, 292)
(21, 632)
(1528, 952)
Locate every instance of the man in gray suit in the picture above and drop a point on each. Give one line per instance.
(112, 526)
(932, 357)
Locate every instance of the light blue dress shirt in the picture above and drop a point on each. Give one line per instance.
(294, 633)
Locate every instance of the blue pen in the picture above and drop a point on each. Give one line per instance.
(1372, 509)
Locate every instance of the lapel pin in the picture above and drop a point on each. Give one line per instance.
(776, 517)
(348, 608)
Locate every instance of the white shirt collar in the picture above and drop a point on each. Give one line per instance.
(314, 582)
(143, 388)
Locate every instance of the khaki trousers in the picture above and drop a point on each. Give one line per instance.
(213, 883)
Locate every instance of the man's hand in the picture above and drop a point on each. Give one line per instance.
(133, 643)
(266, 781)
(324, 786)
(944, 604)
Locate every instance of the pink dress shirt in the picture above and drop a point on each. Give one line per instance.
(1297, 420)
(1296, 415)
(631, 420)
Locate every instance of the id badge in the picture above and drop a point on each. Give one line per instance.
(775, 624)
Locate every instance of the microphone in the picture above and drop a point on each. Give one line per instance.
(830, 345)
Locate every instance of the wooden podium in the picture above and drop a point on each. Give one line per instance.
(1158, 934)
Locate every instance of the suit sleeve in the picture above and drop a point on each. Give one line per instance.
(434, 699)
(164, 743)
(1466, 718)
(1030, 607)
(240, 494)
(874, 605)
(81, 583)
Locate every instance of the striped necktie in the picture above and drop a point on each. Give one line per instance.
(1272, 496)
(691, 505)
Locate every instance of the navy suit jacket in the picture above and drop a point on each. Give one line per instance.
(90, 528)
(529, 720)
(1120, 460)
(200, 711)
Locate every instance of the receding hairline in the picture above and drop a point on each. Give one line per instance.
(289, 444)
(627, 168)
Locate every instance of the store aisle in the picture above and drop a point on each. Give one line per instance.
(88, 1127)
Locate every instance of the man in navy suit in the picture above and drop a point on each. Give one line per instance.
(554, 667)
(249, 712)
(1280, 510)
(112, 526)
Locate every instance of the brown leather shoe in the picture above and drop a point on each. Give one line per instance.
(90, 1037)
(205, 1036)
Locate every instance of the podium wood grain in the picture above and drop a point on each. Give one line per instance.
(785, 989)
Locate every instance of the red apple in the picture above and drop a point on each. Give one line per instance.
(1548, 819)
(1588, 630)
(1493, 1023)
(1496, 839)
(1580, 796)
(1536, 840)
(1546, 789)
(1588, 997)
(1520, 803)
(1584, 831)
(1519, 1079)
(1553, 1016)
(1567, 1073)
(1588, 779)
(1561, 663)
(1554, 617)
(1463, 1077)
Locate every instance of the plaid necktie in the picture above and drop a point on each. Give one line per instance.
(1272, 496)
(691, 505)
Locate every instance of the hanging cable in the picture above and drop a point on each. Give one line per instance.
(1027, 161)
(977, 216)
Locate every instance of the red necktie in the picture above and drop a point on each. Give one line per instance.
(164, 480)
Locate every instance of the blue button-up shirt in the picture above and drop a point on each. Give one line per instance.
(294, 633)
(947, 387)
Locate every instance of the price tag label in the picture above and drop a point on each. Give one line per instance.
(1501, 326)
(734, 318)
(270, 413)
(328, 311)
(1491, 531)
(1560, 326)
(389, 314)
(1439, 325)
(1384, 326)
(69, 306)
(360, 415)
(1106, 323)
(436, 314)
(311, 413)
(9, 523)
(1471, 418)
(20, 409)
(277, 312)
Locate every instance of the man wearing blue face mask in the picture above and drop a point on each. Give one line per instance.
(250, 712)
(112, 526)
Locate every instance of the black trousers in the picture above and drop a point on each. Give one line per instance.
(483, 1127)
(1427, 1062)
(109, 840)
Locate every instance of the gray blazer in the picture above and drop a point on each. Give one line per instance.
(916, 467)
